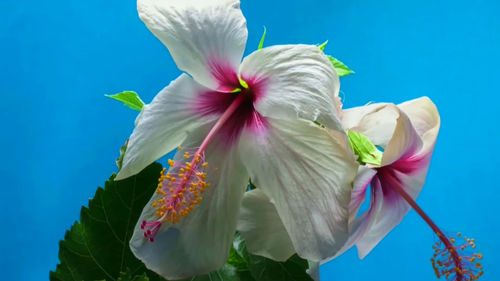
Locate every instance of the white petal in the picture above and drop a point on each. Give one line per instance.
(294, 81)
(386, 211)
(404, 142)
(424, 116)
(376, 121)
(307, 173)
(261, 227)
(206, 38)
(200, 242)
(390, 208)
(359, 225)
(163, 124)
(363, 179)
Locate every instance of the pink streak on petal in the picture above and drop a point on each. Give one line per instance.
(360, 186)
(212, 103)
(225, 75)
(412, 164)
(388, 178)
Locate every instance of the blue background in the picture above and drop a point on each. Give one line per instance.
(60, 135)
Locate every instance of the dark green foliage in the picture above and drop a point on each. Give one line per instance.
(96, 247)
(264, 269)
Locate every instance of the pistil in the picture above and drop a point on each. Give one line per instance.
(447, 261)
(181, 187)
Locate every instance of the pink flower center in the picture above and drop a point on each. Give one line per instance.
(245, 117)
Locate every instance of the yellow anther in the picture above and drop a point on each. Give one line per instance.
(155, 204)
(184, 202)
(197, 160)
(169, 184)
(181, 175)
(180, 147)
(205, 164)
(216, 170)
(173, 179)
(181, 169)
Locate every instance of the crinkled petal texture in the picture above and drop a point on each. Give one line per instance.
(206, 38)
(163, 124)
(200, 242)
(306, 172)
(262, 229)
(296, 81)
(405, 163)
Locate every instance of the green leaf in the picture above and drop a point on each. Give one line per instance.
(366, 151)
(264, 269)
(128, 276)
(340, 67)
(129, 98)
(119, 160)
(96, 248)
(261, 43)
(322, 46)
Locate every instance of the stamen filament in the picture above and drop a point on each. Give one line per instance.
(176, 200)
